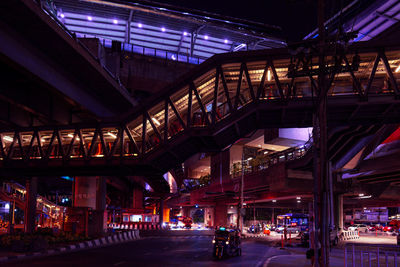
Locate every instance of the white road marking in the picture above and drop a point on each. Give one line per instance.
(119, 263)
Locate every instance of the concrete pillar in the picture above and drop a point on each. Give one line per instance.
(85, 192)
(340, 211)
(220, 214)
(30, 204)
(220, 166)
(137, 198)
(161, 212)
(209, 217)
(90, 192)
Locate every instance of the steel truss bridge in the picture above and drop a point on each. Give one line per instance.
(220, 101)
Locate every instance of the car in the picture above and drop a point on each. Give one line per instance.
(358, 227)
(388, 228)
(333, 234)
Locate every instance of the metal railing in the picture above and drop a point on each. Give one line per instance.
(371, 255)
(264, 162)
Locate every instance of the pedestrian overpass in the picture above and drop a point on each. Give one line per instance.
(208, 109)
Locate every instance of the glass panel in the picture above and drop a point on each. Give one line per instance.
(222, 102)
(205, 86)
(157, 115)
(231, 73)
(180, 100)
(135, 128)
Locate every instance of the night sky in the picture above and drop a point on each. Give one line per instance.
(296, 17)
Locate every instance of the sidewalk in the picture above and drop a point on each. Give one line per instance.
(298, 258)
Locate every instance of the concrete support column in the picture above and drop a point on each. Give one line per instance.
(85, 192)
(220, 214)
(137, 198)
(220, 166)
(90, 192)
(340, 211)
(209, 217)
(161, 212)
(30, 204)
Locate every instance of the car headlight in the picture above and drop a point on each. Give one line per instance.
(227, 242)
(213, 241)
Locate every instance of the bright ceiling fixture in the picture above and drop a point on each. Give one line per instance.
(163, 29)
(112, 135)
(184, 33)
(237, 48)
(397, 69)
(298, 198)
(62, 15)
(8, 138)
(361, 195)
(115, 21)
(89, 18)
(226, 41)
(269, 75)
(140, 25)
(154, 119)
(274, 200)
(206, 37)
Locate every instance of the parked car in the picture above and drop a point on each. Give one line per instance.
(398, 238)
(388, 228)
(333, 234)
(358, 227)
(289, 229)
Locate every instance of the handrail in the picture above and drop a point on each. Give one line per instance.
(222, 87)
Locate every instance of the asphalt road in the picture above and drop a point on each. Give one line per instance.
(189, 250)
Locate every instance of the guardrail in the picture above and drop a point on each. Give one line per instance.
(349, 235)
(135, 226)
(371, 255)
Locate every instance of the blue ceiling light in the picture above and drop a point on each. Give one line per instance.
(68, 178)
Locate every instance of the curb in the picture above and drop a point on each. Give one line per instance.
(118, 238)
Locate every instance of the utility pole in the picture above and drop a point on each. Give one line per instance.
(320, 169)
(241, 221)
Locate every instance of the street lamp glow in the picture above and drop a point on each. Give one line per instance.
(89, 18)
(226, 41)
(140, 25)
(163, 29)
(274, 200)
(206, 37)
(115, 21)
(361, 195)
(7, 206)
(298, 198)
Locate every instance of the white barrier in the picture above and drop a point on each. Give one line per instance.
(349, 235)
